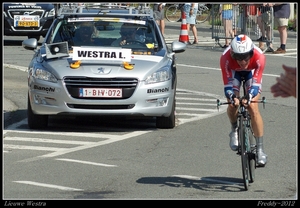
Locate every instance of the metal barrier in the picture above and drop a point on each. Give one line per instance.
(254, 20)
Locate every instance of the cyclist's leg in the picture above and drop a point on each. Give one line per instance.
(256, 119)
(232, 113)
(258, 128)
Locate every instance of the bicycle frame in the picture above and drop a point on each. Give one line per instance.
(244, 129)
(246, 141)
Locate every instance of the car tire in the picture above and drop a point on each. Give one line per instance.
(167, 122)
(35, 121)
(37, 37)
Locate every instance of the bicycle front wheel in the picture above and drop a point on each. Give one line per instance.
(251, 155)
(244, 157)
(173, 13)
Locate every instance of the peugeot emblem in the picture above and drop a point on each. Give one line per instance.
(101, 70)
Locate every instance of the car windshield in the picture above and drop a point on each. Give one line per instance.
(106, 32)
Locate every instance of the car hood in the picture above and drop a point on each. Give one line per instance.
(139, 66)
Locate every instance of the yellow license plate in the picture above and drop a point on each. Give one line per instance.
(28, 24)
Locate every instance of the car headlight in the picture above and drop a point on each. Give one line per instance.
(51, 13)
(162, 75)
(44, 75)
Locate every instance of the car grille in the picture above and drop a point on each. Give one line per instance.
(73, 84)
(12, 12)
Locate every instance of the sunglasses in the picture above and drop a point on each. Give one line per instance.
(241, 57)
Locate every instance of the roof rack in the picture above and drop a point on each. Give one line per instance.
(99, 8)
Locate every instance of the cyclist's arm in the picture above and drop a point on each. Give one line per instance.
(260, 62)
(226, 75)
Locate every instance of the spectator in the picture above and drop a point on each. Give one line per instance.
(286, 84)
(264, 23)
(227, 16)
(158, 10)
(190, 10)
(251, 13)
(281, 19)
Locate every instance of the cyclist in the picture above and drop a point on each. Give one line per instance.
(244, 59)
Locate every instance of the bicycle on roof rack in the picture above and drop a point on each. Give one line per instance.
(173, 13)
(107, 9)
(246, 140)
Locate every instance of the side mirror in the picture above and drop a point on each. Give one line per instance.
(30, 44)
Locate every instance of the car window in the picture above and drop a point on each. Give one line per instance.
(104, 32)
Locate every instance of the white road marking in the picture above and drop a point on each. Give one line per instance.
(49, 185)
(13, 128)
(26, 139)
(51, 149)
(200, 104)
(21, 68)
(86, 162)
(196, 109)
(63, 151)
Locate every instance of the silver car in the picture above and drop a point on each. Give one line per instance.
(105, 63)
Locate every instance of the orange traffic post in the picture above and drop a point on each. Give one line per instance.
(184, 36)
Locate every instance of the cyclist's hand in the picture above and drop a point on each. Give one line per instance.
(235, 102)
(247, 100)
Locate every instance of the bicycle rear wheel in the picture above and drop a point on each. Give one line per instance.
(244, 157)
(173, 13)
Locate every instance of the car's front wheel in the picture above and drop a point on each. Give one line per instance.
(35, 121)
(167, 122)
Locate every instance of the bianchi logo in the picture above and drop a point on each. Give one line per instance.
(158, 90)
(47, 89)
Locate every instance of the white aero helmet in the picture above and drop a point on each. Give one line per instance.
(241, 47)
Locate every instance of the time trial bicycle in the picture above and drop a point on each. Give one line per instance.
(246, 140)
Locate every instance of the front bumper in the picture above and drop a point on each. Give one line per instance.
(147, 100)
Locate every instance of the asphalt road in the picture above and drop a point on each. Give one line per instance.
(117, 159)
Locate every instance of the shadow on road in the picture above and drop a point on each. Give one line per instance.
(221, 184)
